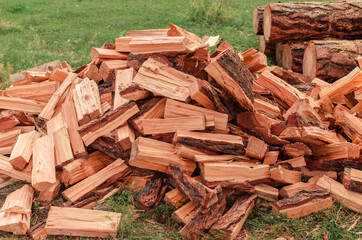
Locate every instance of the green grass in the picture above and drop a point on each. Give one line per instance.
(39, 31)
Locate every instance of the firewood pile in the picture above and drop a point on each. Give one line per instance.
(318, 39)
(156, 112)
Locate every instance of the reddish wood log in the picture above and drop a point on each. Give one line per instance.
(352, 179)
(266, 48)
(258, 20)
(293, 55)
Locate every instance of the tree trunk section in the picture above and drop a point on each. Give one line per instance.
(317, 20)
(258, 20)
(266, 48)
(292, 58)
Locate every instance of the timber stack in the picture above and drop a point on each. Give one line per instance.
(318, 39)
(158, 113)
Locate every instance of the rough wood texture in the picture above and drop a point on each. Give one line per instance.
(267, 192)
(330, 59)
(282, 175)
(289, 76)
(258, 20)
(123, 80)
(7, 169)
(231, 73)
(145, 45)
(352, 179)
(169, 125)
(108, 67)
(266, 48)
(256, 148)
(293, 53)
(175, 198)
(22, 105)
(348, 198)
(293, 189)
(351, 125)
(82, 222)
(153, 192)
(40, 92)
(125, 136)
(304, 203)
(294, 21)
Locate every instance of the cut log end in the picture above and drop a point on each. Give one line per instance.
(309, 61)
(287, 58)
(267, 23)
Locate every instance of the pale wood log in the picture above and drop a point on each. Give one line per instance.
(148, 33)
(22, 105)
(293, 189)
(282, 175)
(352, 179)
(193, 41)
(107, 54)
(185, 213)
(122, 81)
(109, 66)
(7, 120)
(175, 198)
(297, 162)
(145, 45)
(256, 148)
(9, 138)
(267, 192)
(351, 125)
(158, 126)
(267, 108)
(125, 136)
(7, 169)
(58, 75)
(40, 92)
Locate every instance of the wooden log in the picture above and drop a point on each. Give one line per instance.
(297, 149)
(137, 182)
(233, 220)
(7, 120)
(122, 44)
(282, 175)
(7, 169)
(320, 58)
(208, 142)
(231, 73)
(69, 115)
(258, 20)
(53, 191)
(107, 54)
(304, 203)
(194, 42)
(266, 48)
(293, 53)
(267, 192)
(22, 105)
(297, 162)
(219, 158)
(169, 125)
(82, 222)
(293, 189)
(164, 80)
(351, 125)
(145, 45)
(289, 76)
(107, 175)
(109, 146)
(308, 173)
(16, 211)
(153, 192)
(175, 198)
(8, 139)
(256, 148)
(173, 109)
(352, 179)
(234, 174)
(256, 62)
(278, 53)
(35, 76)
(125, 136)
(271, 157)
(41, 92)
(122, 81)
(348, 198)
(187, 212)
(108, 67)
(55, 100)
(267, 108)
(156, 155)
(335, 151)
(107, 123)
(58, 75)
(43, 174)
(280, 19)
(23, 150)
(148, 33)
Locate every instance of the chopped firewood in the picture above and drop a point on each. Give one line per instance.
(233, 220)
(125, 136)
(296, 149)
(266, 48)
(107, 175)
(145, 45)
(158, 126)
(87, 101)
(271, 157)
(177, 109)
(153, 192)
(41, 92)
(156, 155)
(107, 54)
(16, 211)
(293, 189)
(334, 151)
(82, 168)
(38, 232)
(147, 33)
(109, 66)
(234, 174)
(231, 73)
(134, 92)
(122, 44)
(304, 203)
(256, 62)
(282, 175)
(34, 76)
(70, 117)
(107, 123)
(164, 80)
(58, 75)
(193, 43)
(290, 76)
(23, 149)
(278, 52)
(297, 162)
(205, 217)
(218, 158)
(187, 212)
(293, 53)
(302, 113)
(8, 139)
(43, 174)
(187, 152)
(175, 198)
(53, 191)
(122, 81)
(352, 179)
(348, 198)
(210, 143)
(308, 173)
(351, 125)
(256, 148)
(7, 169)
(267, 108)
(22, 105)
(109, 146)
(267, 192)
(258, 20)
(55, 100)
(7, 120)
(82, 222)
(136, 182)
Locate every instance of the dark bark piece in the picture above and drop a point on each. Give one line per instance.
(194, 190)
(266, 48)
(293, 53)
(258, 20)
(109, 146)
(205, 217)
(352, 179)
(290, 76)
(153, 192)
(299, 21)
(331, 59)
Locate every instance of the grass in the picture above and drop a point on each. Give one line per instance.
(39, 31)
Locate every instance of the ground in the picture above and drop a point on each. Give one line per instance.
(39, 31)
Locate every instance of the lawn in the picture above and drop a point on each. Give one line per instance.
(39, 31)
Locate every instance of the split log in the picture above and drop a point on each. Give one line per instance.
(209, 143)
(258, 20)
(23, 149)
(148, 33)
(348, 198)
(308, 173)
(41, 92)
(109, 146)
(145, 45)
(122, 81)
(351, 125)
(177, 109)
(278, 53)
(280, 20)
(233, 220)
(82, 222)
(352, 179)
(291, 190)
(219, 158)
(304, 203)
(107, 123)
(106, 176)
(53, 191)
(7, 169)
(22, 105)
(256, 148)
(7, 120)
(125, 136)
(293, 53)
(267, 108)
(271, 157)
(266, 48)
(9, 138)
(107, 54)
(234, 174)
(205, 217)
(170, 125)
(175, 198)
(267, 192)
(289, 76)
(136, 182)
(153, 192)
(43, 173)
(194, 42)
(285, 176)
(296, 149)
(231, 73)
(297, 162)
(335, 151)
(186, 213)
(156, 155)
(108, 67)
(320, 58)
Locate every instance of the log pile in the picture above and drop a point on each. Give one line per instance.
(158, 113)
(325, 44)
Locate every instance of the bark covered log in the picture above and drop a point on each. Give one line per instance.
(292, 58)
(258, 20)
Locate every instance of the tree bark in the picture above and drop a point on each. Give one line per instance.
(292, 58)
(258, 20)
